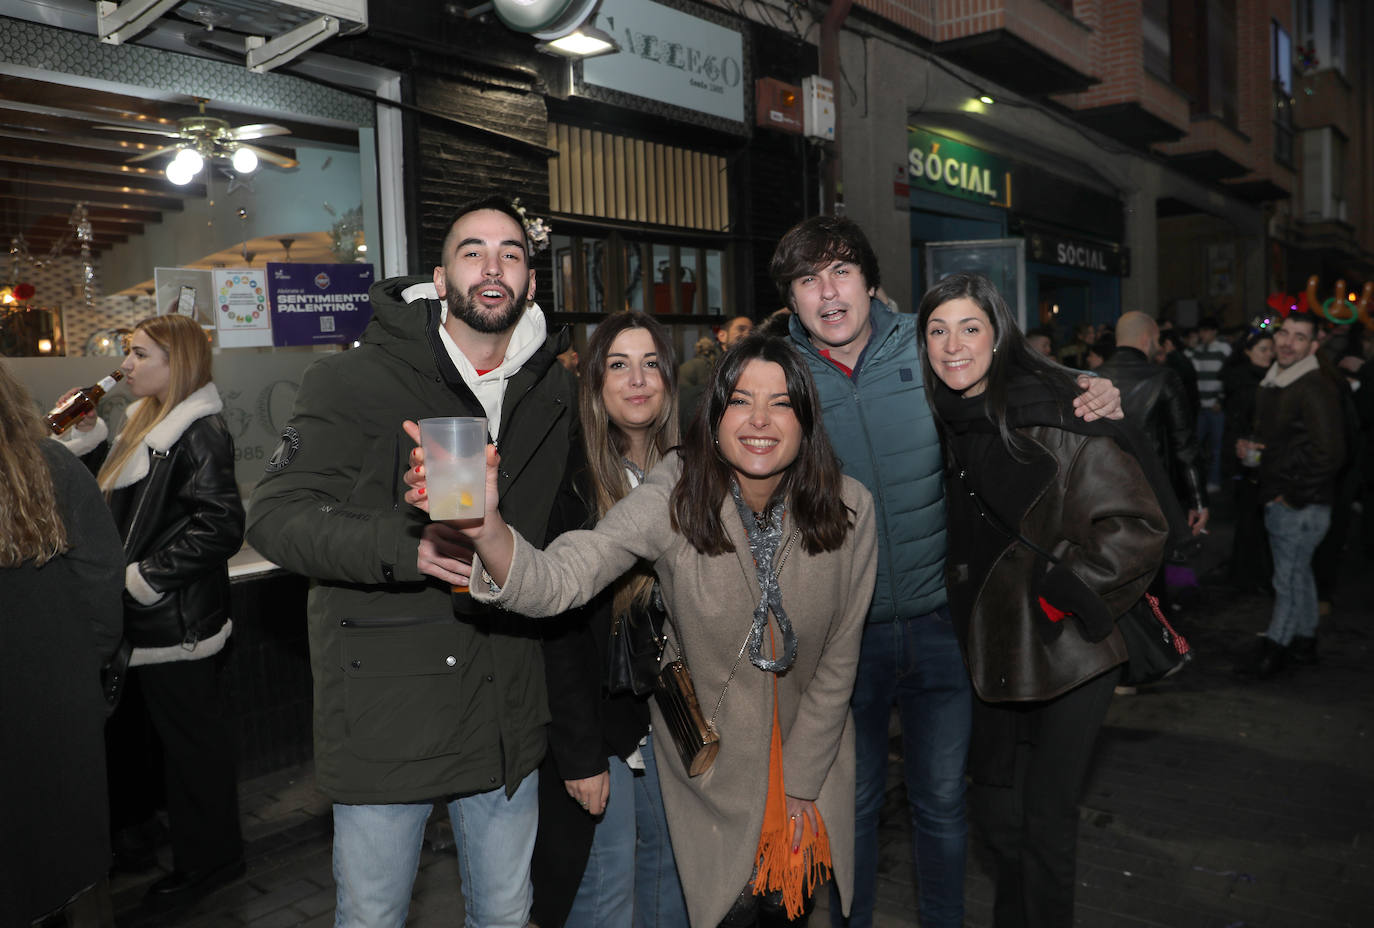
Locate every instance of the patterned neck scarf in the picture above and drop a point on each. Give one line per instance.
(765, 536)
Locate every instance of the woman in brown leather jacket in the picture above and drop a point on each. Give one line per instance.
(1054, 531)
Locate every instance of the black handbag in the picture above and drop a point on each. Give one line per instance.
(1156, 650)
(633, 653)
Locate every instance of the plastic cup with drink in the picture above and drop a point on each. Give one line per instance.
(455, 468)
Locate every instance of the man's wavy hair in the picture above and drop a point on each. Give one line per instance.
(817, 241)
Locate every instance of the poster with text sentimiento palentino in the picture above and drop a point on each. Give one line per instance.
(319, 304)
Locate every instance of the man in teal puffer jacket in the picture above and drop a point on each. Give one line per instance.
(867, 370)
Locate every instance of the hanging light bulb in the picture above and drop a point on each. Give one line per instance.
(192, 159)
(179, 172)
(245, 160)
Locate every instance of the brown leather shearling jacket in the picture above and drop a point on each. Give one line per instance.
(1083, 499)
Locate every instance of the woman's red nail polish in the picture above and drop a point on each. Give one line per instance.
(422, 491)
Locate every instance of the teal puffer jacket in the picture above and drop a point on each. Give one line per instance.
(883, 431)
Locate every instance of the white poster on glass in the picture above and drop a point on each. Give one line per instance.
(241, 313)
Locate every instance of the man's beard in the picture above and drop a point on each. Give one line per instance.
(465, 307)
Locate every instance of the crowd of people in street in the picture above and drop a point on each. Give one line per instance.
(653, 683)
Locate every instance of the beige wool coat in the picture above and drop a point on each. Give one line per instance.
(715, 819)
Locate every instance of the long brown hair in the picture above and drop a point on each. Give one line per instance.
(1016, 355)
(606, 444)
(811, 485)
(31, 527)
(188, 358)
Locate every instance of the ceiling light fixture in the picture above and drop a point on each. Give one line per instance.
(985, 100)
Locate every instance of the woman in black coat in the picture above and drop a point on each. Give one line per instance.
(1252, 565)
(1054, 532)
(60, 575)
(602, 858)
(169, 480)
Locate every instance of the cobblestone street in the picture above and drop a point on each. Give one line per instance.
(1215, 802)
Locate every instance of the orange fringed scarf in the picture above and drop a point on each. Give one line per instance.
(778, 866)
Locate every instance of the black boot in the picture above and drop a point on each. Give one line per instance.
(1303, 649)
(1267, 660)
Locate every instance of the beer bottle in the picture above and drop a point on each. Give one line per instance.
(64, 415)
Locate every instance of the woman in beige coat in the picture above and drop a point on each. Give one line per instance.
(757, 452)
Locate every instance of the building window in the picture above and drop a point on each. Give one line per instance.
(606, 272)
(1323, 174)
(1337, 35)
(1155, 33)
(1203, 46)
(1321, 28)
(1281, 80)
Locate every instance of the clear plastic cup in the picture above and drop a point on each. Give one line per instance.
(455, 466)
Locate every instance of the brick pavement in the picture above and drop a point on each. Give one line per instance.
(1214, 802)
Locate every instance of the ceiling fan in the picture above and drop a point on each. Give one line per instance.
(200, 138)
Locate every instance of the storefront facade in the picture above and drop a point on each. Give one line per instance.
(1103, 227)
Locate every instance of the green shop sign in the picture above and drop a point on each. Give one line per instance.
(945, 166)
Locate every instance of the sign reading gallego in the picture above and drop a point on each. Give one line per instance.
(668, 55)
(954, 169)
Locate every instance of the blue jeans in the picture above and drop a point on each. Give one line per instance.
(1293, 536)
(606, 896)
(377, 851)
(658, 892)
(1210, 424)
(915, 663)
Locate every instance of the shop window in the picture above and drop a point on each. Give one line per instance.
(600, 273)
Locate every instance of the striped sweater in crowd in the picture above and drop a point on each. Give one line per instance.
(1208, 360)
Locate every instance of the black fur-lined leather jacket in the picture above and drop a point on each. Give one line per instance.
(178, 509)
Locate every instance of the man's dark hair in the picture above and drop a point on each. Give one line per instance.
(1309, 318)
(1171, 337)
(498, 203)
(1208, 322)
(817, 241)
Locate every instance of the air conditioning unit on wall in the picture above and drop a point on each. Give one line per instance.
(278, 31)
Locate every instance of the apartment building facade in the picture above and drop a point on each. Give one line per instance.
(1180, 158)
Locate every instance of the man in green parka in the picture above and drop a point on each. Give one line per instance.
(414, 700)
